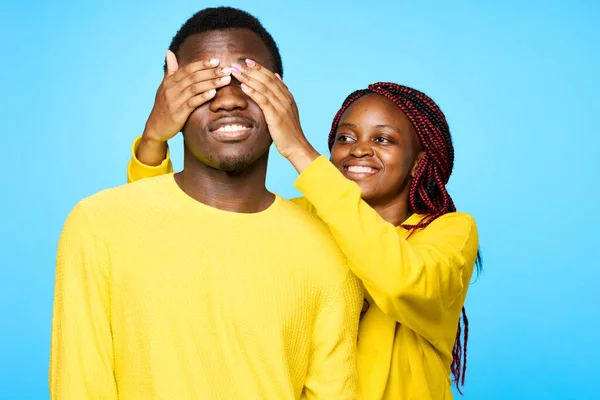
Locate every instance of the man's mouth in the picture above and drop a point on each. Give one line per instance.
(230, 129)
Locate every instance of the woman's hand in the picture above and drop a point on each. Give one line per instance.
(281, 114)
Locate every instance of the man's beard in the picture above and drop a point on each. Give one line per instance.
(234, 164)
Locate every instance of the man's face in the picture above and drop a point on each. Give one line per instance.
(228, 133)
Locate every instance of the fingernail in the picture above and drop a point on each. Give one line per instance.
(250, 63)
(277, 75)
(226, 71)
(237, 68)
(214, 61)
(212, 92)
(226, 79)
(245, 87)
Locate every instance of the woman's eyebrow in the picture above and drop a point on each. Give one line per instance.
(388, 126)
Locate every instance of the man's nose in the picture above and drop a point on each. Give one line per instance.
(229, 98)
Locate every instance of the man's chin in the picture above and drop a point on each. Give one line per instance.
(229, 158)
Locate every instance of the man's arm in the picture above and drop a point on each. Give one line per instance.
(332, 370)
(82, 359)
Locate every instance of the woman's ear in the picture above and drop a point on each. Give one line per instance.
(416, 163)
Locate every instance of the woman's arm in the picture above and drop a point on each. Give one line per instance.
(413, 281)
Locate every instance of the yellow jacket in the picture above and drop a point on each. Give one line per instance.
(415, 287)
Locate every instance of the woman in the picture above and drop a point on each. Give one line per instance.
(383, 196)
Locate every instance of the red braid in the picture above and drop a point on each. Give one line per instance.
(427, 194)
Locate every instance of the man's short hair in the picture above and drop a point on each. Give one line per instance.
(221, 18)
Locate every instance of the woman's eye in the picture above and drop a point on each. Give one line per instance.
(343, 138)
(382, 139)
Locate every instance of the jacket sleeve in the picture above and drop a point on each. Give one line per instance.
(136, 170)
(414, 282)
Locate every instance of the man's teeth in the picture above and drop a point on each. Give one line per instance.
(232, 128)
(361, 169)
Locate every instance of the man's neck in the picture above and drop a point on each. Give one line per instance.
(242, 192)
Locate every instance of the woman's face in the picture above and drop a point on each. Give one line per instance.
(376, 146)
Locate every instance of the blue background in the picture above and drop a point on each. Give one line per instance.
(517, 80)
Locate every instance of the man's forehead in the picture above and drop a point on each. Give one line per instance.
(231, 45)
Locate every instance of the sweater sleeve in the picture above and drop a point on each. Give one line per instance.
(136, 170)
(413, 282)
(332, 372)
(82, 359)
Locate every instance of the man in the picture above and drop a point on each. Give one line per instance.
(203, 284)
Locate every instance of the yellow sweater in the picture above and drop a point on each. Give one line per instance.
(416, 287)
(159, 296)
